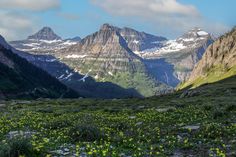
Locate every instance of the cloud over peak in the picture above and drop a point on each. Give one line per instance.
(15, 25)
(166, 15)
(32, 5)
(146, 7)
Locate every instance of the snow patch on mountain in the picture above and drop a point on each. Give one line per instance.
(31, 44)
(68, 76)
(110, 73)
(69, 43)
(136, 41)
(44, 41)
(96, 77)
(74, 56)
(202, 33)
(85, 76)
(60, 77)
(169, 46)
(50, 41)
(189, 40)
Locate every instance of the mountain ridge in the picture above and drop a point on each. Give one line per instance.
(218, 62)
(112, 53)
(83, 84)
(105, 55)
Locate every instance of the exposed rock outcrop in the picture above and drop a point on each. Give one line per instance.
(218, 62)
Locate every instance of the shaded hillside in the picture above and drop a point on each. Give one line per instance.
(84, 84)
(20, 79)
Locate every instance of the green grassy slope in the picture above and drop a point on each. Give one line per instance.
(214, 74)
(198, 122)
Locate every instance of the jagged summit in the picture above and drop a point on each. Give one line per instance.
(195, 33)
(46, 33)
(108, 27)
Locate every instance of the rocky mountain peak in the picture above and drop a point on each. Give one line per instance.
(195, 37)
(106, 34)
(195, 33)
(46, 33)
(139, 41)
(108, 27)
(129, 30)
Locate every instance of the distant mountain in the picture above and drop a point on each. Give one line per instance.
(139, 41)
(218, 62)
(106, 56)
(131, 59)
(46, 33)
(19, 79)
(74, 39)
(45, 41)
(42, 54)
(180, 55)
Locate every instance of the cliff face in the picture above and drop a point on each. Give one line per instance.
(102, 53)
(106, 56)
(218, 61)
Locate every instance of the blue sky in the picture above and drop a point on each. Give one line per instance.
(69, 18)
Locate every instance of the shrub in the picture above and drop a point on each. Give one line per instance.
(207, 107)
(58, 124)
(17, 147)
(230, 108)
(85, 133)
(218, 113)
(46, 110)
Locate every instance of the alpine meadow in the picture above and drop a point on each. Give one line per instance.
(127, 78)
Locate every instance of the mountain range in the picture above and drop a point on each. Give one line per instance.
(42, 54)
(133, 60)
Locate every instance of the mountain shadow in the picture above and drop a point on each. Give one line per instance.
(84, 84)
(162, 71)
(19, 79)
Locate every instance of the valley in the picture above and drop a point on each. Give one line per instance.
(118, 92)
(125, 57)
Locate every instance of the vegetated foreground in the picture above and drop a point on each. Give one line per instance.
(200, 122)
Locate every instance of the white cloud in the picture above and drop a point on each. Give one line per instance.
(17, 20)
(33, 5)
(15, 26)
(167, 16)
(146, 7)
